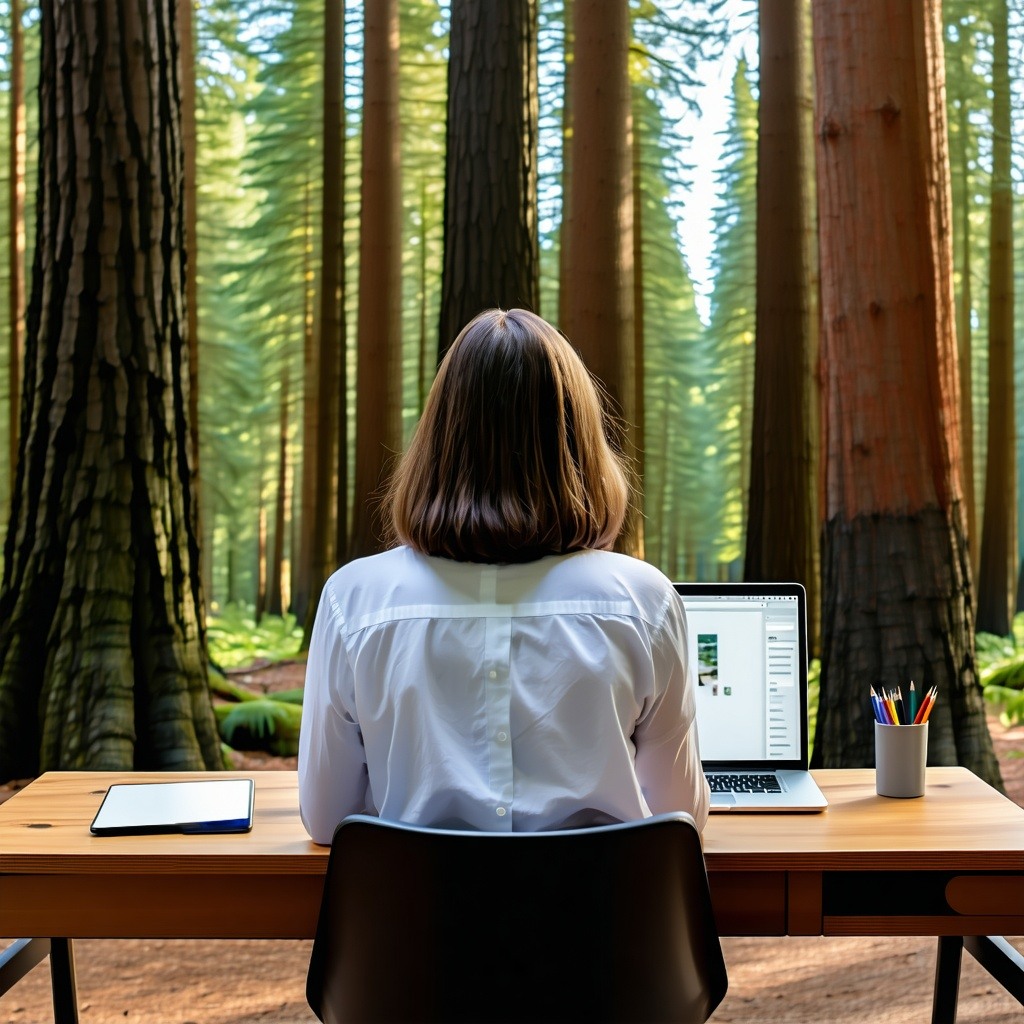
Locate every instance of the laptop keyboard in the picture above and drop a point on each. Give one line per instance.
(740, 782)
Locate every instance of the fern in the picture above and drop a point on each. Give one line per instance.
(1011, 703)
(262, 723)
(1001, 670)
(234, 637)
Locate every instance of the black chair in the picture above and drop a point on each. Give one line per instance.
(612, 923)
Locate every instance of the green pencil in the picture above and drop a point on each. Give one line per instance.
(913, 703)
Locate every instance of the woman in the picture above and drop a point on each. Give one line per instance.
(501, 668)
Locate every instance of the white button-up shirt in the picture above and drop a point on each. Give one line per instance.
(499, 697)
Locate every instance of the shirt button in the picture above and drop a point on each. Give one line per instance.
(500, 811)
(493, 674)
(502, 736)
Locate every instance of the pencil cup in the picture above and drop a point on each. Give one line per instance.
(901, 753)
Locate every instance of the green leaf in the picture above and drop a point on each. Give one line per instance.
(261, 724)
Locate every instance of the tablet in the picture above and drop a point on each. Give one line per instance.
(205, 806)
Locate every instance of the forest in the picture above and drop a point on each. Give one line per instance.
(201, 394)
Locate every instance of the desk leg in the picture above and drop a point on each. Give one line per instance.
(947, 979)
(62, 978)
(1001, 960)
(19, 958)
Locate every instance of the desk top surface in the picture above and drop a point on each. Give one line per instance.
(960, 824)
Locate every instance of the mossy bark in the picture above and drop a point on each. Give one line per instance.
(102, 653)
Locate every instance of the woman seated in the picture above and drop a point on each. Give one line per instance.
(500, 667)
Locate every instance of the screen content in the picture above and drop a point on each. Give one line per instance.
(745, 658)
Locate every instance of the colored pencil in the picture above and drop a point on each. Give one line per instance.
(933, 693)
(913, 702)
(891, 704)
(876, 707)
(926, 706)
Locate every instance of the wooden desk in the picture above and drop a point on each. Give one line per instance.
(950, 864)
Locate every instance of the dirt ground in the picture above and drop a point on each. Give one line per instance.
(784, 980)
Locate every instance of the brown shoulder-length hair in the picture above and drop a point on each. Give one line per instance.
(511, 459)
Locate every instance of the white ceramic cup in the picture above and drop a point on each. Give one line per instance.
(901, 753)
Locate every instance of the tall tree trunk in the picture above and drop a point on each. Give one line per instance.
(564, 259)
(101, 621)
(261, 552)
(639, 405)
(187, 79)
(333, 301)
(962, 253)
(303, 567)
(424, 369)
(896, 580)
(276, 603)
(379, 342)
(782, 514)
(16, 234)
(331, 488)
(998, 560)
(490, 199)
(598, 310)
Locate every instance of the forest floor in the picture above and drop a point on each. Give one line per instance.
(784, 980)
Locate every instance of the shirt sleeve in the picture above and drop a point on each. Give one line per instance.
(667, 751)
(332, 770)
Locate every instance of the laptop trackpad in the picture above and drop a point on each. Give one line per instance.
(723, 800)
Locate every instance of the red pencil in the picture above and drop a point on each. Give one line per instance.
(926, 706)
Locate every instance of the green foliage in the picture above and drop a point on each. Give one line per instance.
(262, 723)
(1001, 670)
(729, 384)
(248, 720)
(235, 638)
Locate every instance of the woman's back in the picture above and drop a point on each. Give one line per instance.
(506, 697)
(502, 669)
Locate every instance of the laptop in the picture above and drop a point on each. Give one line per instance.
(748, 656)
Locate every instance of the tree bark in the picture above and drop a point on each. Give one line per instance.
(276, 602)
(998, 558)
(898, 597)
(598, 310)
(101, 645)
(639, 361)
(331, 464)
(305, 517)
(379, 341)
(564, 259)
(16, 236)
(490, 221)
(964, 310)
(782, 514)
(188, 136)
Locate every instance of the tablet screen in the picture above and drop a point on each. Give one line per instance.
(208, 805)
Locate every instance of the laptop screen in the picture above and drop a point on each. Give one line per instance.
(748, 656)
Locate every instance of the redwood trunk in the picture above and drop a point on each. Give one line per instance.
(330, 489)
(782, 517)
(16, 235)
(897, 586)
(490, 223)
(379, 336)
(101, 655)
(998, 561)
(276, 601)
(598, 309)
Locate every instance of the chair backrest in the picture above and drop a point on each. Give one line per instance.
(612, 923)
